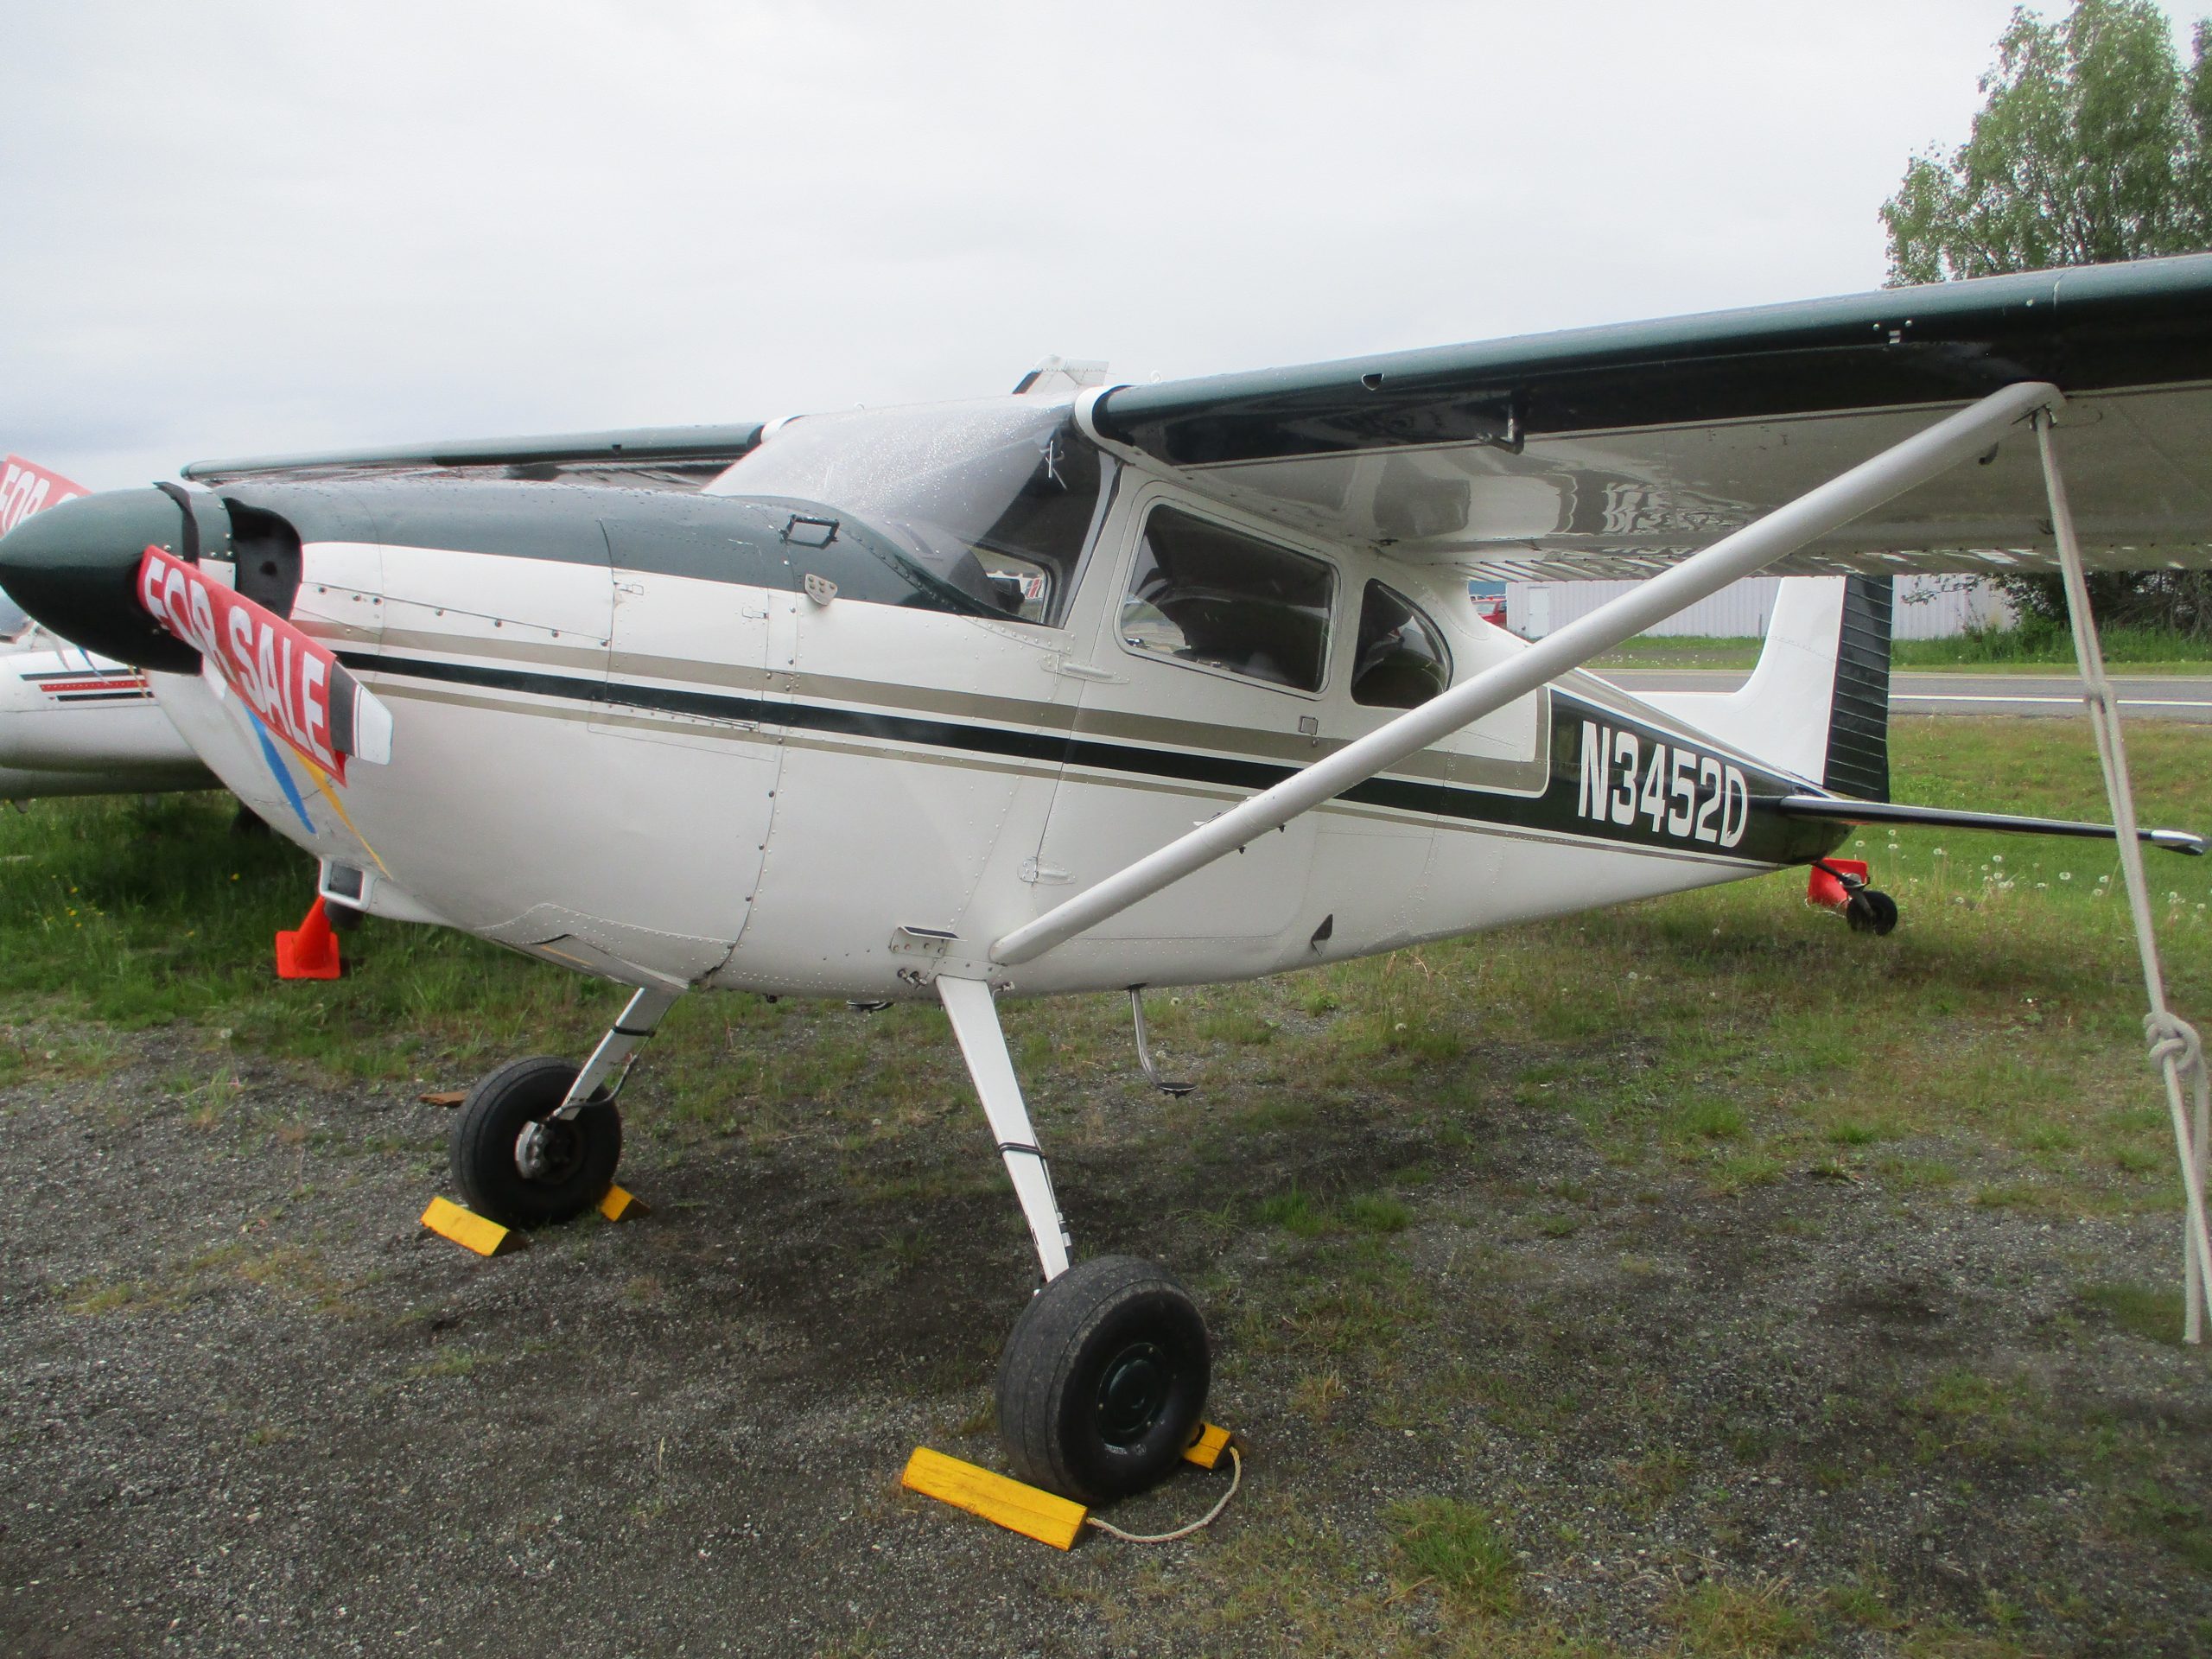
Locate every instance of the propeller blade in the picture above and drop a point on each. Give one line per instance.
(303, 694)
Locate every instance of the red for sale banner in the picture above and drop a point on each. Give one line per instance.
(302, 692)
(27, 487)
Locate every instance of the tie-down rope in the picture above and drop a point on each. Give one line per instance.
(2175, 1049)
(1236, 1479)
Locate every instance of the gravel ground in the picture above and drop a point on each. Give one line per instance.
(247, 1405)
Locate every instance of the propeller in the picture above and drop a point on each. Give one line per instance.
(121, 573)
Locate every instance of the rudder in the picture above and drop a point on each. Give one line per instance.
(1859, 715)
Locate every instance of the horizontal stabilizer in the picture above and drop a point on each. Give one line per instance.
(1937, 817)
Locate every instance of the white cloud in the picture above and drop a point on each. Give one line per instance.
(241, 228)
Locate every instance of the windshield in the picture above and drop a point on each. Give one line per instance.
(996, 500)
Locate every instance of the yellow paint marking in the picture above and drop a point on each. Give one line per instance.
(321, 781)
(1210, 1448)
(620, 1205)
(1025, 1509)
(467, 1229)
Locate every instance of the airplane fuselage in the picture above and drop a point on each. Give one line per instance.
(733, 740)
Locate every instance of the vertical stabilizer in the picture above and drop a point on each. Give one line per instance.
(1818, 703)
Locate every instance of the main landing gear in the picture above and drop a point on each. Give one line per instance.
(536, 1140)
(1103, 1381)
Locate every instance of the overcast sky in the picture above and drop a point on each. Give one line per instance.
(229, 228)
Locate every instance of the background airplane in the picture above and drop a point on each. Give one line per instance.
(72, 723)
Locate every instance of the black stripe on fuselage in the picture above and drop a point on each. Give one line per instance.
(1770, 838)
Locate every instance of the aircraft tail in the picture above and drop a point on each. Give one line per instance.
(1818, 703)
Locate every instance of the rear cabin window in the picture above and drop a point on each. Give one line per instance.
(1217, 598)
(1401, 662)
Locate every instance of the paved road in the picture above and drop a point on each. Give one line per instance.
(2157, 697)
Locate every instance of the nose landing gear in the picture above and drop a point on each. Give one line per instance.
(537, 1142)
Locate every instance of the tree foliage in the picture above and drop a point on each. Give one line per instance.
(2094, 144)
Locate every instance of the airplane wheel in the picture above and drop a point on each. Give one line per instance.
(566, 1171)
(1103, 1381)
(1871, 911)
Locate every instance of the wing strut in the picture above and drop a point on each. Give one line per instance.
(1924, 455)
(2176, 1048)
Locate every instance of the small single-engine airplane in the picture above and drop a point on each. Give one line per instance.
(72, 723)
(1104, 687)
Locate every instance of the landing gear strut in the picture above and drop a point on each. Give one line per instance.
(1103, 1381)
(536, 1140)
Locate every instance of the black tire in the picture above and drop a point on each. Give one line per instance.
(1871, 911)
(579, 1155)
(1103, 1381)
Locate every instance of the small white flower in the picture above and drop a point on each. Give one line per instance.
(1940, 853)
(2066, 875)
(2040, 886)
(1997, 858)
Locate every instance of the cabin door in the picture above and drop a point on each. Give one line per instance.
(1204, 685)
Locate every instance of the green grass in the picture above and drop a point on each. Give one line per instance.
(1460, 1547)
(1729, 1044)
(2151, 1312)
(2137, 649)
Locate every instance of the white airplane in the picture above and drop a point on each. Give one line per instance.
(72, 723)
(1104, 687)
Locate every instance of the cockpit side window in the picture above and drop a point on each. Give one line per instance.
(1401, 661)
(1028, 554)
(1205, 594)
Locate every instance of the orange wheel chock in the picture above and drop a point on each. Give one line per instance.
(1824, 890)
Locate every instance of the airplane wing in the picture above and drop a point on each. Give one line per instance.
(670, 456)
(1618, 451)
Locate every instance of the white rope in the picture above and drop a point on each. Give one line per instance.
(1235, 1477)
(2175, 1049)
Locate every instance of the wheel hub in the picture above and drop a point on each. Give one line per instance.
(1133, 1393)
(548, 1151)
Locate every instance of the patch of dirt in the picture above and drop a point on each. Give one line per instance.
(247, 1405)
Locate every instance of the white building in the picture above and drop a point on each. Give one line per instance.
(1928, 607)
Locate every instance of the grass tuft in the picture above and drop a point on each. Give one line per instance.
(2151, 1312)
(1458, 1546)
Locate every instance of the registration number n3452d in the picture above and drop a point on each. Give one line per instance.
(1679, 792)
